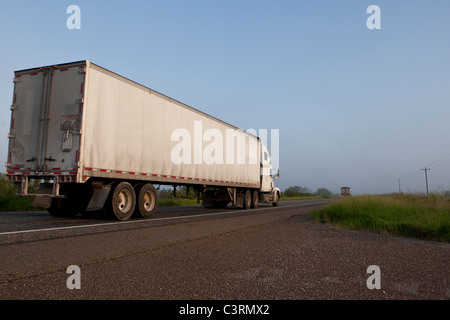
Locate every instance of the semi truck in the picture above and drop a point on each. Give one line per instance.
(346, 191)
(93, 140)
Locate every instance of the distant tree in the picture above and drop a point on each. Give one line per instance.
(323, 192)
(167, 192)
(296, 191)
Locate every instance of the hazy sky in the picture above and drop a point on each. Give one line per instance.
(354, 107)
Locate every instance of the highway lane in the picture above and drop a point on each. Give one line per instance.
(268, 253)
(31, 226)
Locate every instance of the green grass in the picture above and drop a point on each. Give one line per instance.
(15, 203)
(9, 201)
(415, 216)
(176, 202)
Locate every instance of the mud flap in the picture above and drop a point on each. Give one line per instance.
(240, 200)
(42, 202)
(98, 197)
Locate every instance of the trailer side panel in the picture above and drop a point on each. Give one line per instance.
(132, 132)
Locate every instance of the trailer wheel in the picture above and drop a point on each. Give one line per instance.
(61, 208)
(255, 199)
(247, 199)
(122, 201)
(147, 200)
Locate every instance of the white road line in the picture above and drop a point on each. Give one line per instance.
(147, 220)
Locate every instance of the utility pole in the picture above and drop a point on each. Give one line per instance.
(426, 178)
(399, 189)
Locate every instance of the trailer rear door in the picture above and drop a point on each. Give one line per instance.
(46, 119)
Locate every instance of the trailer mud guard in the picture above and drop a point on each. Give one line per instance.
(99, 197)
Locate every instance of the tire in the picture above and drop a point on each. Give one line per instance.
(277, 200)
(247, 200)
(255, 199)
(221, 204)
(62, 208)
(208, 199)
(147, 201)
(121, 202)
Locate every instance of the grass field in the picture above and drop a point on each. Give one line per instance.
(409, 215)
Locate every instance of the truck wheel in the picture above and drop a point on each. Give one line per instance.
(247, 199)
(255, 199)
(147, 200)
(277, 199)
(122, 201)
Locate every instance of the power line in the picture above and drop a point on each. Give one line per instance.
(435, 162)
(440, 164)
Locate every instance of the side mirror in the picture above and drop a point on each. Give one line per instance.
(277, 175)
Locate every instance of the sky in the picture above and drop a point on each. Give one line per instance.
(354, 106)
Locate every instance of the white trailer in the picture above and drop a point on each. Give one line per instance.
(99, 141)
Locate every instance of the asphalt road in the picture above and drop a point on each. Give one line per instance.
(191, 253)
